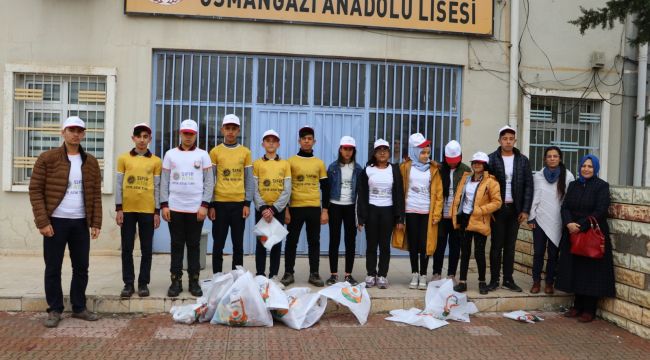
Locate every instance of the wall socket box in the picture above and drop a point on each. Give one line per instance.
(597, 60)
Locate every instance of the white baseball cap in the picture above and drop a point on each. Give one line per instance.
(381, 142)
(306, 130)
(142, 125)
(418, 140)
(507, 129)
(189, 125)
(481, 157)
(73, 121)
(452, 151)
(348, 141)
(230, 119)
(271, 132)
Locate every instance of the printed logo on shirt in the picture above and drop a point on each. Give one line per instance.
(384, 193)
(74, 187)
(226, 172)
(300, 178)
(267, 182)
(197, 164)
(131, 179)
(419, 189)
(176, 176)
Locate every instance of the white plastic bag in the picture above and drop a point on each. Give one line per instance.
(305, 308)
(189, 313)
(242, 305)
(355, 298)
(213, 291)
(273, 231)
(273, 296)
(523, 316)
(446, 304)
(416, 317)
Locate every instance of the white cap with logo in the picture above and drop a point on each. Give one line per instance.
(73, 121)
(189, 125)
(452, 150)
(381, 142)
(418, 140)
(348, 141)
(481, 157)
(230, 119)
(271, 132)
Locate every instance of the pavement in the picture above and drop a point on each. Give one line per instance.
(336, 336)
(22, 286)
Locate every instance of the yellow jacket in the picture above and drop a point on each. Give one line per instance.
(435, 208)
(487, 200)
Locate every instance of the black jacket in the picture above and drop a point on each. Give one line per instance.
(363, 196)
(444, 175)
(522, 179)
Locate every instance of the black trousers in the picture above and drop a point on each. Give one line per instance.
(229, 216)
(585, 303)
(75, 234)
(260, 250)
(447, 233)
(540, 241)
(504, 237)
(479, 254)
(346, 215)
(416, 231)
(309, 216)
(379, 229)
(144, 224)
(185, 231)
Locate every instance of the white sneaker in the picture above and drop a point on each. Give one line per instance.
(276, 280)
(370, 281)
(414, 281)
(422, 283)
(382, 282)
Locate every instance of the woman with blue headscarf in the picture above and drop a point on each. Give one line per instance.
(589, 279)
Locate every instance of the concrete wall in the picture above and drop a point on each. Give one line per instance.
(97, 33)
(630, 234)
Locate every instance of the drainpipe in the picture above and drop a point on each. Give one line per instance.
(640, 114)
(514, 64)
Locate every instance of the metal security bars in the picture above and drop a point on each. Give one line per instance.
(571, 124)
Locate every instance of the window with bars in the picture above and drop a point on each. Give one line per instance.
(573, 125)
(41, 103)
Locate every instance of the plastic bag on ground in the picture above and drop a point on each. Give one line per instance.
(416, 317)
(272, 295)
(242, 305)
(355, 298)
(305, 308)
(446, 304)
(523, 316)
(273, 232)
(187, 314)
(213, 291)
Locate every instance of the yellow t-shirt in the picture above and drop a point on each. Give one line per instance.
(306, 173)
(270, 176)
(138, 184)
(230, 163)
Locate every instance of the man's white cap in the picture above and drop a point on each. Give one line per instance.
(452, 151)
(73, 121)
(189, 125)
(381, 142)
(230, 119)
(271, 132)
(418, 140)
(142, 125)
(508, 129)
(481, 156)
(348, 141)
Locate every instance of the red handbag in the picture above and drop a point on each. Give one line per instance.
(590, 243)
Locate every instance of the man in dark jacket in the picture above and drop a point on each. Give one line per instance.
(65, 193)
(512, 170)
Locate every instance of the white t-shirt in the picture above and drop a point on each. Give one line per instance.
(380, 185)
(186, 178)
(446, 209)
(347, 171)
(418, 197)
(72, 206)
(470, 193)
(508, 164)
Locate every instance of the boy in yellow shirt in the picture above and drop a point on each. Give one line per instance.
(137, 202)
(233, 193)
(272, 191)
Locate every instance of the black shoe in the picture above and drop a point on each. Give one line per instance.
(143, 290)
(332, 280)
(460, 287)
(493, 285)
(482, 288)
(351, 280)
(176, 287)
(128, 291)
(195, 288)
(314, 279)
(287, 279)
(510, 285)
(53, 319)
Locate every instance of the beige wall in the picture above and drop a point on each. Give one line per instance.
(97, 33)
